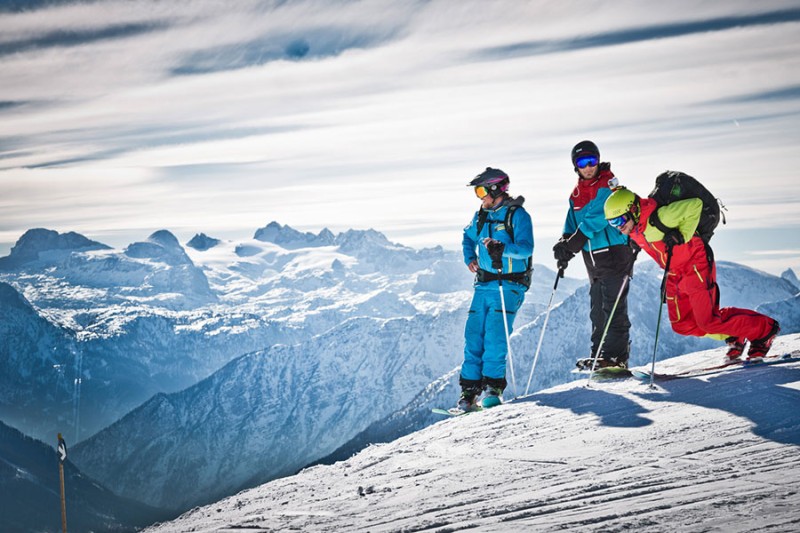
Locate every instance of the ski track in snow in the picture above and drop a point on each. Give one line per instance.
(718, 453)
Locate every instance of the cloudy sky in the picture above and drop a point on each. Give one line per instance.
(119, 118)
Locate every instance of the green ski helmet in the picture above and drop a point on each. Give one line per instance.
(622, 202)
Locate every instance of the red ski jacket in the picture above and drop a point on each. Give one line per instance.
(683, 215)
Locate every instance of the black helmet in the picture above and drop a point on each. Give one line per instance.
(495, 180)
(584, 149)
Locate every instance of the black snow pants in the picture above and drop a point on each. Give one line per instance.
(602, 294)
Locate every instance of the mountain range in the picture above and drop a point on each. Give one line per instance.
(186, 373)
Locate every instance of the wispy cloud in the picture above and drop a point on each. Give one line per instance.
(638, 34)
(307, 44)
(783, 93)
(75, 37)
(795, 252)
(24, 6)
(4, 105)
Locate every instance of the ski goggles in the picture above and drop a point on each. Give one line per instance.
(588, 161)
(619, 221)
(481, 191)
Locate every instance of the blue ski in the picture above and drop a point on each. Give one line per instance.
(454, 411)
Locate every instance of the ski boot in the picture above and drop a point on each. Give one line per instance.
(611, 362)
(470, 390)
(602, 362)
(735, 349)
(467, 402)
(492, 398)
(759, 348)
(493, 392)
(584, 364)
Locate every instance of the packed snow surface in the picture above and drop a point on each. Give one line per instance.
(714, 453)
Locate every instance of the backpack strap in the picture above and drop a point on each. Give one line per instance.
(509, 225)
(482, 216)
(510, 231)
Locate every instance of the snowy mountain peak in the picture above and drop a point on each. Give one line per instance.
(202, 242)
(290, 238)
(327, 235)
(352, 240)
(160, 246)
(35, 243)
(165, 239)
(791, 277)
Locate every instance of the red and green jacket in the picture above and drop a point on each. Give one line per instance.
(684, 215)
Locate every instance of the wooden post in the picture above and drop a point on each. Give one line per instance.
(62, 454)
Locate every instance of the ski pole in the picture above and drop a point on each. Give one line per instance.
(559, 275)
(662, 297)
(508, 336)
(608, 324)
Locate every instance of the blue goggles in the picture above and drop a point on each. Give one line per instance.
(588, 161)
(619, 221)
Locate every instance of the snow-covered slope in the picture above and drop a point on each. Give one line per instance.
(718, 453)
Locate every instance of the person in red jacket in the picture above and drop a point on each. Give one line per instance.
(692, 294)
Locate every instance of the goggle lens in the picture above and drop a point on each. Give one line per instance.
(481, 191)
(584, 162)
(620, 221)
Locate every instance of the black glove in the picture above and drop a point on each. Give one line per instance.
(496, 253)
(562, 253)
(672, 238)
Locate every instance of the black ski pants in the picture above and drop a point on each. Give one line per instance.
(602, 295)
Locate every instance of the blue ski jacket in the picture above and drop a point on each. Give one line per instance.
(518, 250)
(605, 250)
(591, 220)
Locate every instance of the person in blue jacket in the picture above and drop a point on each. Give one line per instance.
(497, 245)
(607, 255)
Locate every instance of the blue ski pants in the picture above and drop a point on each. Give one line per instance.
(485, 348)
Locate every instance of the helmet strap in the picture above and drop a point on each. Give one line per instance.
(634, 211)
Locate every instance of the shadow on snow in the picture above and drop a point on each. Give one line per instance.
(757, 394)
(612, 409)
